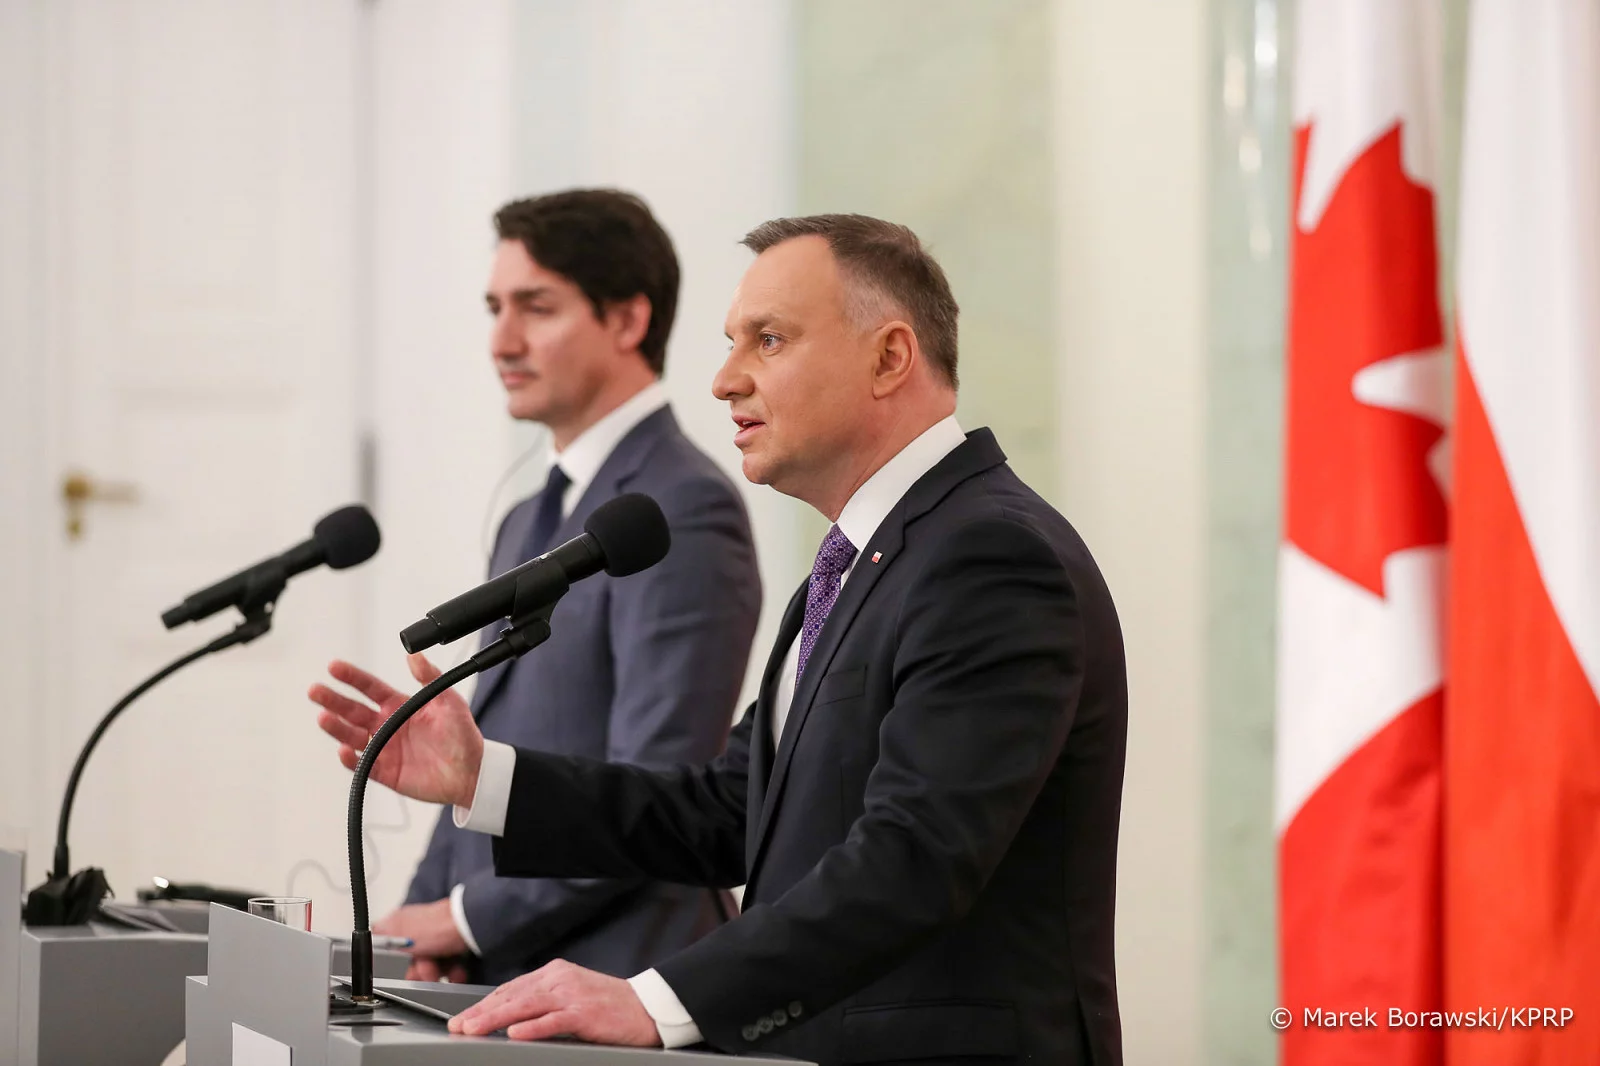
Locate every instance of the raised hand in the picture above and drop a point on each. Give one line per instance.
(435, 755)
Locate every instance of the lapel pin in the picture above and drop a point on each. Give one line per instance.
(876, 556)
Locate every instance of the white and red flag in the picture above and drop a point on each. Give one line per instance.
(1522, 733)
(1363, 559)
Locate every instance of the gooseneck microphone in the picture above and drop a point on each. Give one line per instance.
(342, 539)
(623, 536)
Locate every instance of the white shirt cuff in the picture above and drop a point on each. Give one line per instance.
(492, 795)
(677, 1029)
(458, 914)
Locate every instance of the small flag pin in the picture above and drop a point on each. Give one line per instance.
(876, 556)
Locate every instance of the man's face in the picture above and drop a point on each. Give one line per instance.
(553, 354)
(798, 378)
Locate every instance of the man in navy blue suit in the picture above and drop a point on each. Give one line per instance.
(646, 670)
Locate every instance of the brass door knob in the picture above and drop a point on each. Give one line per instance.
(78, 489)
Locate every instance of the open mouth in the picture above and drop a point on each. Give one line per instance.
(747, 428)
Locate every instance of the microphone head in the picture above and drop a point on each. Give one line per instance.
(347, 536)
(631, 532)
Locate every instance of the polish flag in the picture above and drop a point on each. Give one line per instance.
(1522, 736)
(1362, 565)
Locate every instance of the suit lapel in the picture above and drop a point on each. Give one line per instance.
(612, 479)
(979, 453)
(609, 481)
(508, 553)
(863, 578)
(761, 752)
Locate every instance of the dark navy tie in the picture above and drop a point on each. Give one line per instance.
(547, 515)
(546, 520)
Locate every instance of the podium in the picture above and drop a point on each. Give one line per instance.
(81, 995)
(266, 989)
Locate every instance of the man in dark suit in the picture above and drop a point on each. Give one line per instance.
(924, 800)
(582, 291)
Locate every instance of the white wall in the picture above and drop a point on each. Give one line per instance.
(140, 390)
(25, 485)
(1130, 163)
(439, 157)
(688, 104)
(440, 160)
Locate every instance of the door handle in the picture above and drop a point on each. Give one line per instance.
(79, 489)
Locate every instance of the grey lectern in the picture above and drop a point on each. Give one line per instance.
(83, 995)
(265, 994)
(10, 949)
(87, 994)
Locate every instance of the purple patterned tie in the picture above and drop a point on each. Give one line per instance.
(833, 559)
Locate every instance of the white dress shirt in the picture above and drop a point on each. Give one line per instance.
(581, 461)
(588, 452)
(859, 521)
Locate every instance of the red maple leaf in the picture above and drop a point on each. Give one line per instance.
(1363, 289)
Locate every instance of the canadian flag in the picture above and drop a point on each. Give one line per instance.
(1522, 736)
(1362, 565)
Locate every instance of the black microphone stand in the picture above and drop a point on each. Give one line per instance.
(527, 630)
(71, 899)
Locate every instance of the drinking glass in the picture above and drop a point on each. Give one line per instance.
(293, 911)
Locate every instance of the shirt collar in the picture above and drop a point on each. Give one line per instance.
(873, 501)
(582, 459)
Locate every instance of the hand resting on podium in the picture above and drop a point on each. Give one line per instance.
(436, 943)
(423, 968)
(561, 999)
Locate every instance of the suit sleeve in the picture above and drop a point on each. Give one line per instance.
(680, 639)
(686, 824)
(681, 633)
(988, 668)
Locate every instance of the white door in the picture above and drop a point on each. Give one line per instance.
(200, 312)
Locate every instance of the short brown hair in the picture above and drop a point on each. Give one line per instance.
(608, 244)
(889, 260)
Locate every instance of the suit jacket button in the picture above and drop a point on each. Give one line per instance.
(794, 1009)
(765, 1025)
(779, 1018)
(751, 1033)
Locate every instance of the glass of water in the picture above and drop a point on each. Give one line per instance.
(293, 911)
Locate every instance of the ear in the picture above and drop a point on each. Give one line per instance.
(629, 321)
(897, 355)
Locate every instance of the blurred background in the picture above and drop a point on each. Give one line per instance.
(242, 253)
